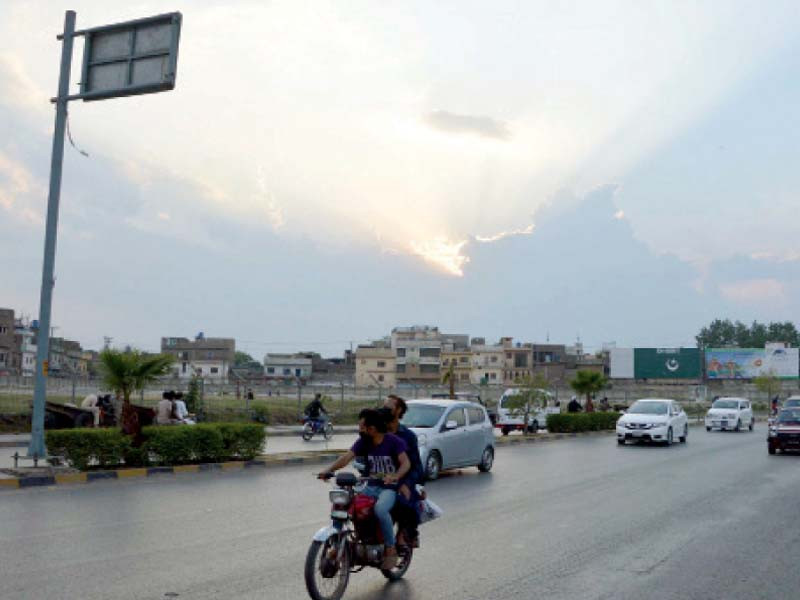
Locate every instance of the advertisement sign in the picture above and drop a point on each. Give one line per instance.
(746, 363)
(667, 363)
(621, 363)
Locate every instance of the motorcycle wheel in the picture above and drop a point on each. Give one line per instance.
(328, 431)
(404, 555)
(326, 588)
(308, 431)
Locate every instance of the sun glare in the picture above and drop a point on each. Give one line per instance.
(443, 254)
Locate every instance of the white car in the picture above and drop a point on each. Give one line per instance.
(451, 434)
(653, 420)
(730, 413)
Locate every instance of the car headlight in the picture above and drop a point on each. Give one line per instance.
(773, 432)
(422, 439)
(658, 425)
(339, 497)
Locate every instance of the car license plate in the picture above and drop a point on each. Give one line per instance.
(724, 423)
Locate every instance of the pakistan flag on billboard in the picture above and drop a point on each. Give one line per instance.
(666, 363)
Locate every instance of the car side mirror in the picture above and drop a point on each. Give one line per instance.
(450, 425)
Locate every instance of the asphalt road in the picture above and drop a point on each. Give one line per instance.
(716, 518)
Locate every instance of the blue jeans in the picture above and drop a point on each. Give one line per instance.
(383, 509)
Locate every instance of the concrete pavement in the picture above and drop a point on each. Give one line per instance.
(713, 519)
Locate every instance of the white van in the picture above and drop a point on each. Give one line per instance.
(509, 420)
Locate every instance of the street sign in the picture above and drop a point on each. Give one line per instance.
(135, 57)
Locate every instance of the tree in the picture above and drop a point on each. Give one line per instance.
(769, 384)
(588, 382)
(724, 333)
(127, 372)
(532, 396)
(450, 377)
(241, 359)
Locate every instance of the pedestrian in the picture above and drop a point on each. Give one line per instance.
(165, 409)
(574, 406)
(91, 403)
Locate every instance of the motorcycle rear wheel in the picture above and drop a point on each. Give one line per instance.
(404, 555)
(326, 588)
(308, 431)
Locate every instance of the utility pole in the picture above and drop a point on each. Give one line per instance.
(36, 447)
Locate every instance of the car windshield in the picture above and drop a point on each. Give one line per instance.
(422, 415)
(792, 402)
(790, 417)
(725, 404)
(648, 408)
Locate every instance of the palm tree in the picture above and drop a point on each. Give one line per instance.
(450, 377)
(588, 382)
(127, 372)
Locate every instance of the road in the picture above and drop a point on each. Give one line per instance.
(579, 519)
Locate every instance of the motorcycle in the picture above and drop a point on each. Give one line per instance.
(351, 543)
(311, 427)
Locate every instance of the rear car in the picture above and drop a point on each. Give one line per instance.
(784, 432)
(653, 420)
(511, 418)
(731, 414)
(451, 434)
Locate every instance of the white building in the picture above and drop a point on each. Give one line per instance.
(287, 366)
(488, 362)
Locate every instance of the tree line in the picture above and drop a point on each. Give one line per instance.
(722, 333)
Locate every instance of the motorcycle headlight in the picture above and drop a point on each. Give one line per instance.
(422, 439)
(339, 497)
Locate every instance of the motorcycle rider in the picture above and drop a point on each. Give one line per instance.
(386, 463)
(405, 509)
(315, 411)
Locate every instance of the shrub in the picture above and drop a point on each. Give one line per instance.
(244, 440)
(260, 412)
(83, 447)
(577, 422)
(162, 445)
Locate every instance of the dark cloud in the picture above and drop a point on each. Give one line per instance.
(454, 123)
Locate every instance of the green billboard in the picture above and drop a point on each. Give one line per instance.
(666, 363)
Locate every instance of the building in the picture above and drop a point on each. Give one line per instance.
(25, 340)
(461, 361)
(549, 361)
(518, 361)
(288, 366)
(376, 365)
(488, 363)
(9, 355)
(418, 352)
(209, 358)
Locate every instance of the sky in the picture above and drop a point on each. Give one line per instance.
(324, 171)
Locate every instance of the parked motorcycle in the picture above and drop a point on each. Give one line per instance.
(312, 427)
(352, 542)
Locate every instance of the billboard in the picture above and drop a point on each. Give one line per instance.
(667, 363)
(621, 363)
(746, 363)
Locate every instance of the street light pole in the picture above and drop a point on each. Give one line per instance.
(36, 449)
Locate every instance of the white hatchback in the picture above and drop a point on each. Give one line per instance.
(653, 420)
(730, 413)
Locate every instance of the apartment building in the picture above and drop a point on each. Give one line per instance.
(461, 361)
(488, 363)
(518, 361)
(376, 365)
(25, 341)
(210, 358)
(8, 347)
(418, 352)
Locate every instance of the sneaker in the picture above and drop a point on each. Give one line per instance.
(389, 559)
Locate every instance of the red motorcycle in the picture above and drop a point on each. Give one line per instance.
(351, 543)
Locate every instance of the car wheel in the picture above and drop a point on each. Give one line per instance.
(738, 425)
(708, 428)
(752, 423)
(669, 436)
(771, 449)
(433, 466)
(487, 460)
(533, 427)
(505, 430)
(685, 435)
(621, 441)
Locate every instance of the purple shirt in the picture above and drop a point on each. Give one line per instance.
(383, 459)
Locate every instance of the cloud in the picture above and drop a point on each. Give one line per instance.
(443, 253)
(18, 188)
(754, 291)
(504, 234)
(479, 125)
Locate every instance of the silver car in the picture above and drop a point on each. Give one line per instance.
(451, 434)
